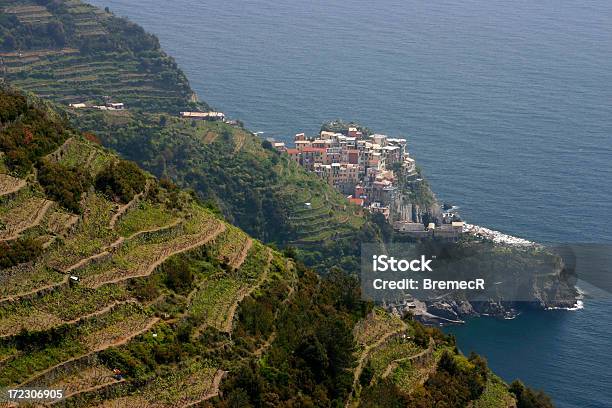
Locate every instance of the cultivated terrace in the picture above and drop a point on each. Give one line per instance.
(126, 291)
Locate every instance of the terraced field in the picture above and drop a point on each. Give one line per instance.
(10, 185)
(328, 218)
(216, 301)
(24, 280)
(232, 247)
(382, 358)
(387, 349)
(139, 257)
(84, 375)
(34, 15)
(369, 331)
(25, 211)
(93, 60)
(82, 296)
(65, 305)
(92, 233)
(146, 217)
(190, 383)
(111, 329)
(73, 152)
(495, 395)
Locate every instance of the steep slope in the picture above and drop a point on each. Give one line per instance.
(97, 254)
(72, 52)
(126, 291)
(259, 189)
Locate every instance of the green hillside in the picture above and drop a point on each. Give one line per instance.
(98, 54)
(72, 52)
(256, 188)
(105, 268)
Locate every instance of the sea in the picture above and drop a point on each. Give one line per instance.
(507, 107)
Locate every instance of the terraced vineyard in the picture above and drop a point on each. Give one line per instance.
(215, 303)
(382, 358)
(89, 58)
(61, 306)
(84, 291)
(378, 324)
(99, 333)
(190, 383)
(9, 185)
(84, 375)
(22, 213)
(232, 247)
(73, 151)
(259, 190)
(386, 348)
(126, 291)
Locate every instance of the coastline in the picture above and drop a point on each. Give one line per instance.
(496, 236)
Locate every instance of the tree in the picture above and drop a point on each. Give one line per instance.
(179, 276)
(266, 144)
(63, 184)
(55, 30)
(121, 181)
(528, 398)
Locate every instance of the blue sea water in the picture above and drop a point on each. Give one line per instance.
(506, 105)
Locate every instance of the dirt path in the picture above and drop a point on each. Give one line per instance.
(13, 298)
(152, 230)
(116, 244)
(101, 311)
(122, 210)
(366, 353)
(42, 211)
(90, 158)
(393, 365)
(237, 262)
(264, 347)
(116, 343)
(203, 241)
(18, 184)
(82, 318)
(90, 389)
(216, 384)
(102, 254)
(227, 326)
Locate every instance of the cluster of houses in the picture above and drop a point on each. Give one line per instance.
(210, 116)
(367, 169)
(112, 106)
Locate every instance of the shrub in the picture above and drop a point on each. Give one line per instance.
(27, 133)
(528, 398)
(63, 184)
(18, 252)
(179, 276)
(121, 181)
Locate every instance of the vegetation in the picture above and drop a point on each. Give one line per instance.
(121, 181)
(159, 289)
(261, 191)
(74, 52)
(27, 134)
(528, 398)
(18, 252)
(63, 184)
